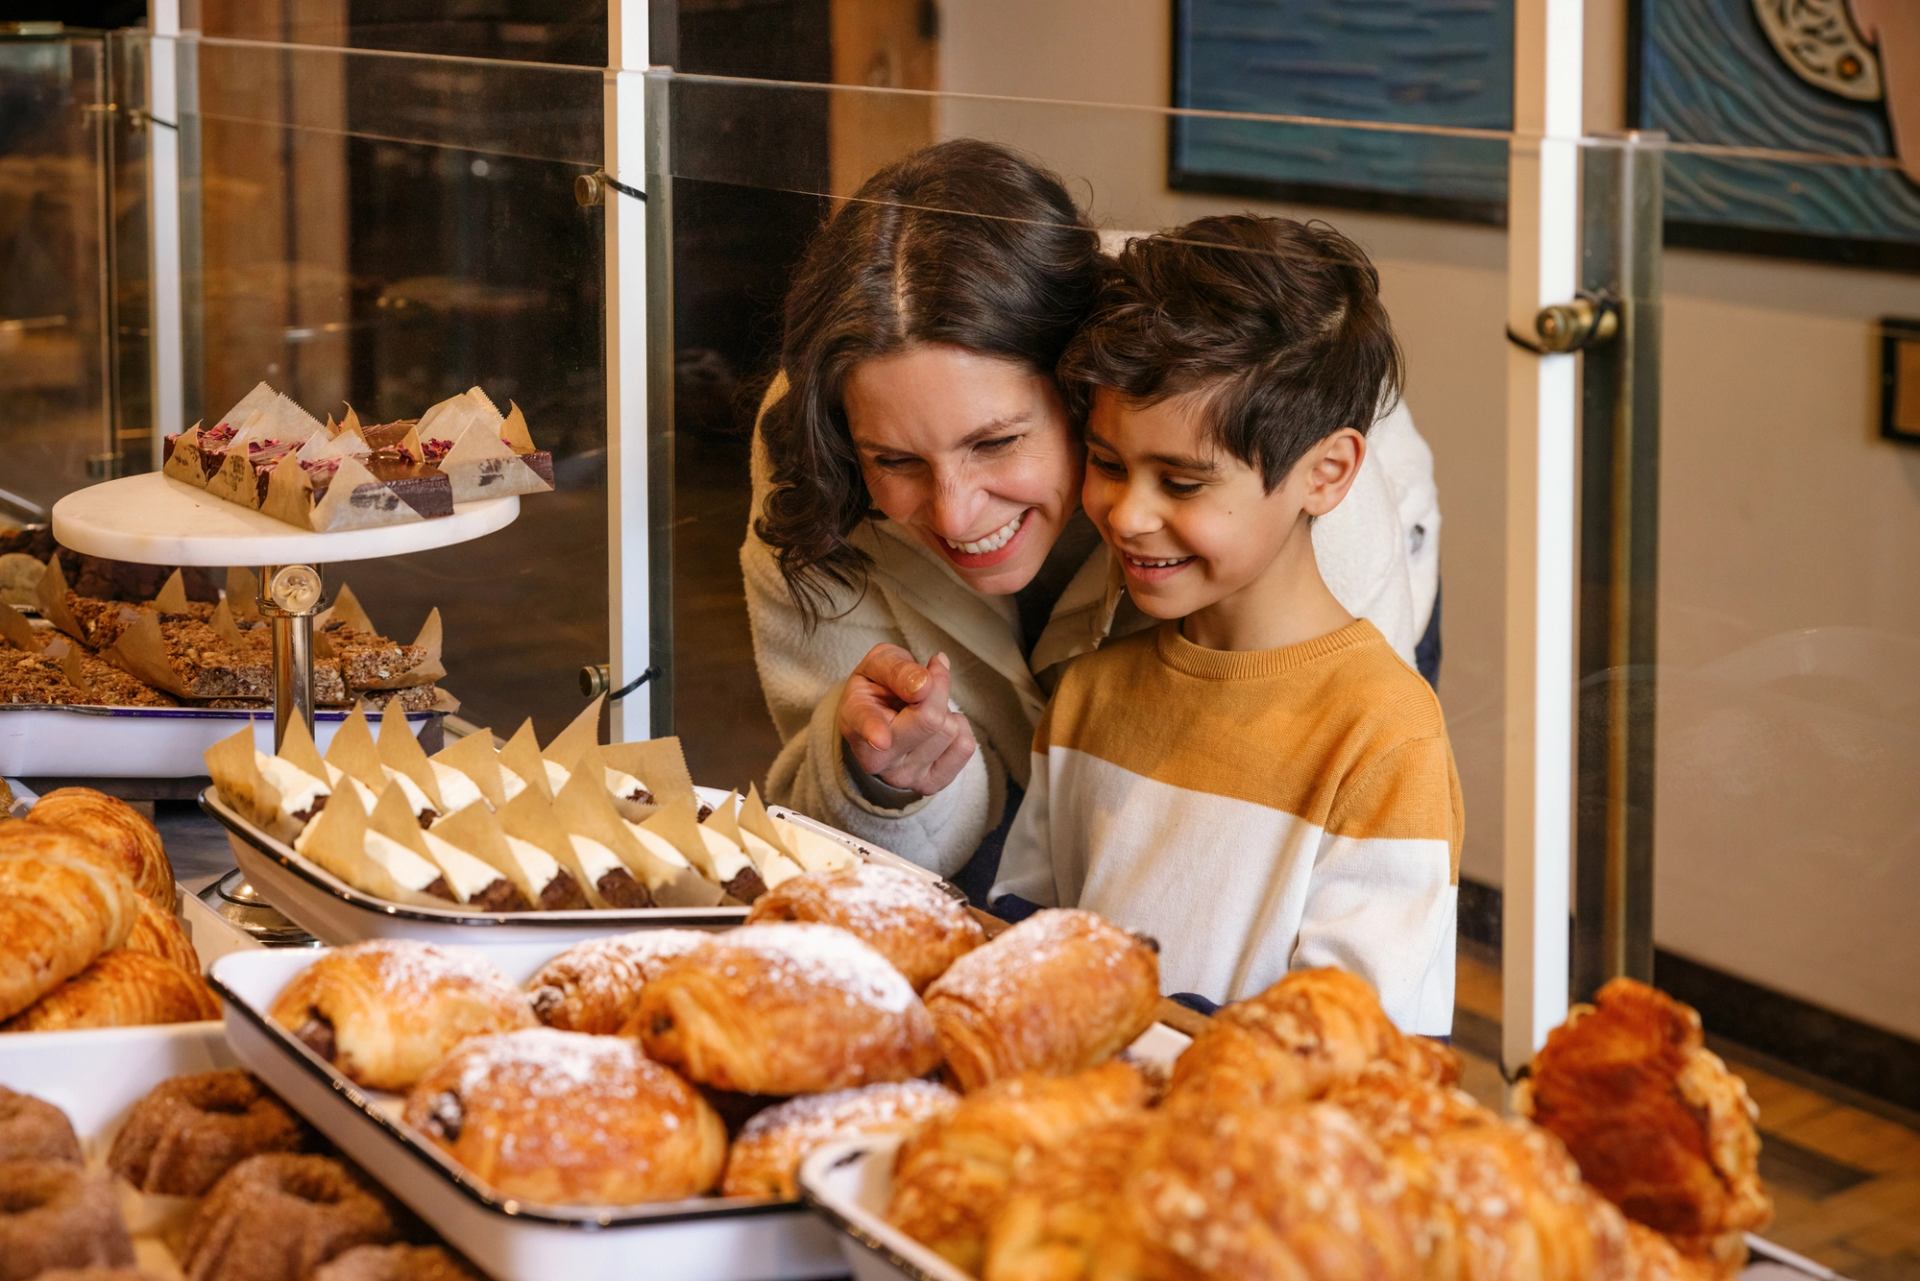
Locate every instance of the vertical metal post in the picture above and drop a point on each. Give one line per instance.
(630, 620)
(163, 225)
(1619, 567)
(1542, 246)
(660, 368)
(289, 598)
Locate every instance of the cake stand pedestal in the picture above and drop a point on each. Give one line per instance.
(153, 519)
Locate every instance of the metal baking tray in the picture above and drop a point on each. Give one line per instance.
(703, 1239)
(42, 741)
(337, 913)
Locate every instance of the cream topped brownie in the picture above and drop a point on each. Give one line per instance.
(728, 865)
(302, 796)
(474, 883)
(558, 891)
(383, 856)
(616, 885)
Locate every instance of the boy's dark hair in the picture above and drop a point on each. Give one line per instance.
(966, 243)
(1276, 324)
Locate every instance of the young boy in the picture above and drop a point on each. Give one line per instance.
(1260, 783)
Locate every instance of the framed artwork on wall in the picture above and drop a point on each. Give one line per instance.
(1833, 78)
(1409, 62)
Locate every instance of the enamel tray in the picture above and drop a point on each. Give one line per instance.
(337, 913)
(136, 742)
(704, 1239)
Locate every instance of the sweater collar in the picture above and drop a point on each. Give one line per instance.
(1184, 656)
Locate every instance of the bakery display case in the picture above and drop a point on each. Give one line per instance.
(831, 1064)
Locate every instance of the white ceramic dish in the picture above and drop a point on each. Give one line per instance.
(706, 1239)
(337, 913)
(850, 1183)
(136, 742)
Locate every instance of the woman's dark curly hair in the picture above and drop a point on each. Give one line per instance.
(964, 243)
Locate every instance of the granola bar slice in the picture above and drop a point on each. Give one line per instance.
(209, 668)
(368, 659)
(108, 686)
(34, 678)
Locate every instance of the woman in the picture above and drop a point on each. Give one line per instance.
(917, 569)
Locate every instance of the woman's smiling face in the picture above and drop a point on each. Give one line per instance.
(974, 454)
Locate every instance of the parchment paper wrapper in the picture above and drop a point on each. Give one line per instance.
(72, 668)
(225, 627)
(481, 465)
(353, 753)
(231, 765)
(726, 868)
(756, 822)
(673, 829)
(661, 766)
(337, 841)
(248, 405)
(477, 830)
(530, 818)
(474, 756)
(183, 460)
(172, 596)
(429, 669)
(17, 631)
(51, 596)
(772, 862)
(580, 734)
(346, 608)
(522, 756)
(401, 752)
(142, 651)
(353, 500)
(297, 749)
(243, 594)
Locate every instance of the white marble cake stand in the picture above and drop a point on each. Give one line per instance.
(153, 519)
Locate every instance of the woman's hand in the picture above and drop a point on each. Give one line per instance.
(895, 718)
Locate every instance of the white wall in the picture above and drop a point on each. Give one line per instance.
(1788, 822)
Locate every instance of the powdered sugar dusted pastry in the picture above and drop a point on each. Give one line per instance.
(566, 1118)
(786, 1009)
(595, 986)
(903, 917)
(1058, 992)
(765, 1159)
(386, 1010)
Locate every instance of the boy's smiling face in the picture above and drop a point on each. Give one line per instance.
(1196, 530)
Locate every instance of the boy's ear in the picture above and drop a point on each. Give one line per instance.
(1330, 469)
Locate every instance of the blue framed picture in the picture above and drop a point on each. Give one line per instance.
(1446, 63)
(1834, 78)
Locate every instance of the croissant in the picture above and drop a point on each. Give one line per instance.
(1058, 992)
(949, 1179)
(785, 1009)
(1291, 1042)
(1656, 1121)
(158, 932)
(568, 1118)
(765, 1159)
(1654, 1258)
(901, 916)
(1395, 1108)
(595, 986)
(1060, 1205)
(386, 1010)
(123, 988)
(1502, 1201)
(1288, 1192)
(116, 827)
(59, 909)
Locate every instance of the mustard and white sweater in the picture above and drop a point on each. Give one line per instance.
(1254, 812)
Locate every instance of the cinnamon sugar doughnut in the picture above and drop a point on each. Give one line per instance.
(55, 1215)
(191, 1130)
(33, 1129)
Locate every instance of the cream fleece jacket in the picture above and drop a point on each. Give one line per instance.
(916, 601)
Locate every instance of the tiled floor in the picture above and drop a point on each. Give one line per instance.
(1845, 1180)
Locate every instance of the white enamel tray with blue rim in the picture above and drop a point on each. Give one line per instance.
(337, 913)
(40, 741)
(701, 1239)
(850, 1182)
